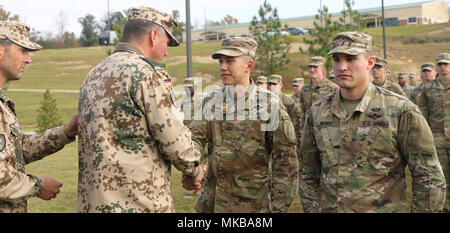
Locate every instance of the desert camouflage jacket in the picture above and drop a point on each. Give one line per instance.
(434, 101)
(130, 135)
(356, 162)
(18, 149)
(251, 168)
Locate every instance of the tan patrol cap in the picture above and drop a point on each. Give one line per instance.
(443, 58)
(381, 62)
(237, 46)
(412, 75)
(158, 17)
(351, 43)
(427, 66)
(275, 78)
(388, 73)
(402, 75)
(261, 79)
(18, 33)
(316, 61)
(298, 81)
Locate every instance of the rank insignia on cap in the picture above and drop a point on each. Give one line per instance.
(2, 142)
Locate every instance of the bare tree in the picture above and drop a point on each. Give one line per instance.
(7, 16)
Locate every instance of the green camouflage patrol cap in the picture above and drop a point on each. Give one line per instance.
(316, 61)
(412, 75)
(237, 46)
(351, 43)
(381, 62)
(298, 81)
(388, 73)
(443, 58)
(158, 17)
(331, 74)
(402, 75)
(275, 78)
(427, 66)
(261, 79)
(18, 33)
(189, 82)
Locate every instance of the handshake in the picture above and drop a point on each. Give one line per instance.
(190, 183)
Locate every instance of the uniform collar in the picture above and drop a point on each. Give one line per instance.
(7, 100)
(125, 47)
(337, 107)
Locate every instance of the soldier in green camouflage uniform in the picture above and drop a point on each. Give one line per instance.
(317, 87)
(389, 75)
(427, 74)
(434, 101)
(358, 140)
(379, 71)
(413, 80)
(331, 76)
(251, 167)
(261, 81)
(407, 89)
(132, 131)
(297, 85)
(16, 147)
(192, 101)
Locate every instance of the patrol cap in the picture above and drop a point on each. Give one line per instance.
(402, 75)
(331, 74)
(298, 81)
(261, 79)
(351, 43)
(388, 73)
(427, 66)
(158, 17)
(443, 58)
(237, 46)
(316, 61)
(275, 78)
(412, 75)
(18, 33)
(381, 62)
(189, 82)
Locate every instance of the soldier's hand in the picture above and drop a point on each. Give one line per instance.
(191, 184)
(51, 188)
(71, 128)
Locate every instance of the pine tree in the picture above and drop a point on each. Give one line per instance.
(273, 47)
(48, 116)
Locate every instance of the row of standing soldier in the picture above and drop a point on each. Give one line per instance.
(344, 150)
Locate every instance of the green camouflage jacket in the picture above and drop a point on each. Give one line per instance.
(409, 91)
(18, 149)
(390, 86)
(250, 167)
(191, 106)
(130, 135)
(356, 163)
(295, 112)
(434, 101)
(416, 92)
(310, 93)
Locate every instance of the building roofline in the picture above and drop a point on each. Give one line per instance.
(406, 5)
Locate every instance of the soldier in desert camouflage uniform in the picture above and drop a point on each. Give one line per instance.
(407, 89)
(252, 164)
(132, 132)
(434, 101)
(379, 77)
(317, 87)
(17, 148)
(357, 142)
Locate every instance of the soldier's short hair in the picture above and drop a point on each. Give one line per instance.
(136, 28)
(5, 43)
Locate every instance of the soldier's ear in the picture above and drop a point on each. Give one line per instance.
(152, 37)
(370, 62)
(251, 64)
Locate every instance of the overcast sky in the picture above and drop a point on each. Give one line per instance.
(42, 15)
